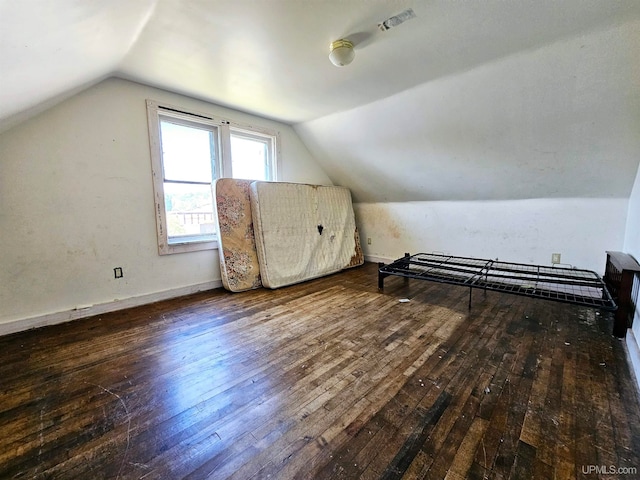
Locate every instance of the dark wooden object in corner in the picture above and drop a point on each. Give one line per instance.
(619, 273)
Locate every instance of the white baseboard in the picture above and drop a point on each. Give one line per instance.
(633, 354)
(376, 259)
(14, 326)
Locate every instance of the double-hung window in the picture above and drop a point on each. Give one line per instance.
(189, 151)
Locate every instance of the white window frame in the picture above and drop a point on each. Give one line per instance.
(268, 138)
(222, 168)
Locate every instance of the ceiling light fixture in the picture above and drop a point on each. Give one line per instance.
(341, 52)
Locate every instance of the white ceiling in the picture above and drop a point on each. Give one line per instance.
(269, 57)
(514, 98)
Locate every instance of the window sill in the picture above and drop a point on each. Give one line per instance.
(186, 245)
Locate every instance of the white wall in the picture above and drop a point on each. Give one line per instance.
(528, 155)
(632, 246)
(525, 231)
(76, 201)
(632, 235)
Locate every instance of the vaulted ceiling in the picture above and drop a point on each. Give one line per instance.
(515, 87)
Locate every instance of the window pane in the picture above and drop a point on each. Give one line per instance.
(187, 152)
(249, 158)
(189, 210)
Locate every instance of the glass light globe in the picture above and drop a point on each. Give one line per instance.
(341, 53)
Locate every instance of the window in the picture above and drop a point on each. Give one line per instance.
(250, 156)
(189, 152)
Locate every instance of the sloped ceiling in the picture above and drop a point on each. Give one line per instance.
(558, 121)
(487, 81)
(52, 49)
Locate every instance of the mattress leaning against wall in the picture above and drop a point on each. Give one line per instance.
(239, 266)
(303, 231)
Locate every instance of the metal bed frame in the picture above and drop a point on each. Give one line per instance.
(568, 285)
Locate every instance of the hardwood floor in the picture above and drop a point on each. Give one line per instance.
(327, 379)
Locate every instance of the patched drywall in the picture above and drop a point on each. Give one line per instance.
(77, 201)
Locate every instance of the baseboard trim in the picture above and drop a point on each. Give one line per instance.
(14, 326)
(376, 259)
(633, 356)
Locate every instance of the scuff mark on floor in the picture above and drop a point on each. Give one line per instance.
(40, 434)
(124, 405)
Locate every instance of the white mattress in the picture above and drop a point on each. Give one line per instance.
(301, 231)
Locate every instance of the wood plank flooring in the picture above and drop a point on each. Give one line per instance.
(326, 379)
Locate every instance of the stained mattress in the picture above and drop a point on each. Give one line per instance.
(302, 231)
(239, 266)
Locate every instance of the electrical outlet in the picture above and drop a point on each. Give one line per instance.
(117, 272)
(555, 258)
(368, 240)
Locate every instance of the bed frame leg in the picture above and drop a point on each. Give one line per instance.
(380, 277)
(405, 264)
(470, 290)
